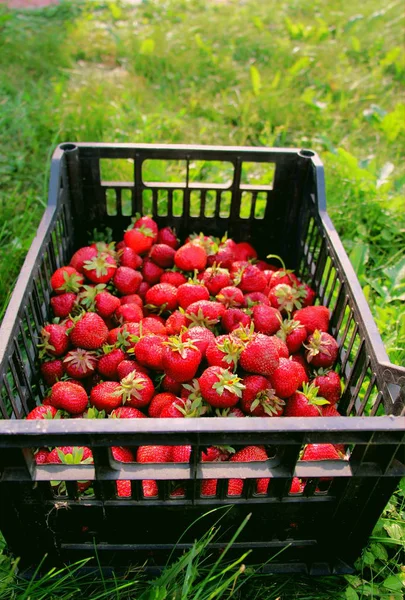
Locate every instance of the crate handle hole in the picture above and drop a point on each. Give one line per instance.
(68, 147)
(306, 153)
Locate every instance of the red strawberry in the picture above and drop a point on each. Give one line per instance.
(224, 351)
(143, 288)
(122, 454)
(330, 410)
(190, 257)
(89, 332)
(151, 272)
(152, 454)
(329, 387)
(259, 399)
(248, 454)
(127, 280)
(176, 322)
(106, 396)
(128, 313)
(285, 297)
(148, 222)
(250, 279)
(181, 454)
(76, 455)
(100, 269)
(230, 296)
(287, 378)
(170, 385)
(174, 278)
(234, 318)
(162, 255)
(220, 388)
(305, 404)
(233, 412)
(80, 257)
(131, 299)
(150, 350)
(140, 239)
(321, 349)
(188, 407)
(205, 313)
(41, 456)
(106, 304)
(280, 346)
(153, 324)
(259, 356)
(200, 337)
(313, 317)
(167, 235)
(63, 304)
(43, 412)
(320, 452)
(66, 279)
(299, 358)
(159, 402)
(127, 412)
(173, 410)
(54, 342)
(137, 389)
(284, 276)
(244, 251)
(124, 488)
(215, 278)
(297, 487)
(52, 371)
(254, 298)
(69, 396)
(128, 366)
(162, 296)
(191, 292)
(293, 333)
(108, 364)
(181, 359)
(129, 258)
(310, 295)
(266, 319)
(80, 363)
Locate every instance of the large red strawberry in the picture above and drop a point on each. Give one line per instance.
(287, 378)
(259, 398)
(253, 298)
(122, 454)
(128, 313)
(181, 454)
(127, 412)
(305, 404)
(248, 454)
(283, 276)
(244, 251)
(174, 278)
(260, 356)
(131, 299)
(313, 317)
(191, 292)
(320, 452)
(225, 254)
(159, 402)
(168, 384)
(321, 349)
(224, 351)
(181, 359)
(153, 324)
(162, 296)
(234, 318)
(181, 408)
(149, 351)
(231, 297)
(106, 396)
(43, 412)
(106, 304)
(54, 340)
(200, 337)
(76, 455)
(140, 239)
(66, 279)
(215, 278)
(266, 319)
(63, 304)
(167, 235)
(329, 386)
(80, 363)
(176, 322)
(69, 396)
(129, 258)
(52, 371)
(162, 255)
(205, 313)
(190, 257)
(151, 272)
(100, 269)
(293, 333)
(89, 332)
(127, 280)
(286, 298)
(137, 389)
(81, 256)
(250, 279)
(108, 364)
(220, 388)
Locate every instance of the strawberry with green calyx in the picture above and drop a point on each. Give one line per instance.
(215, 278)
(200, 337)
(127, 280)
(204, 313)
(259, 356)
(321, 349)
(176, 322)
(100, 269)
(244, 333)
(139, 238)
(136, 389)
(93, 413)
(150, 350)
(181, 359)
(329, 385)
(108, 363)
(161, 297)
(220, 388)
(313, 317)
(146, 221)
(286, 298)
(191, 256)
(71, 455)
(87, 296)
(250, 279)
(162, 255)
(128, 313)
(235, 318)
(126, 412)
(310, 295)
(248, 454)
(66, 279)
(229, 412)
(80, 363)
(63, 304)
(306, 403)
(54, 341)
(128, 366)
(293, 333)
(254, 298)
(106, 247)
(81, 256)
(167, 235)
(129, 258)
(224, 351)
(119, 337)
(266, 319)
(191, 292)
(69, 396)
(89, 332)
(52, 371)
(151, 272)
(208, 242)
(174, 278)
(43, 412)
(259, 398)
(106, 396)
(287, 378)
(230, 296)
(184, 408)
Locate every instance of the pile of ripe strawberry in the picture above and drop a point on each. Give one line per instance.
(151, 328)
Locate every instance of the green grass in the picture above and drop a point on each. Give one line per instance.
(323, 75)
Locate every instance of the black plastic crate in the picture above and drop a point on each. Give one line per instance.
(322, 530)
